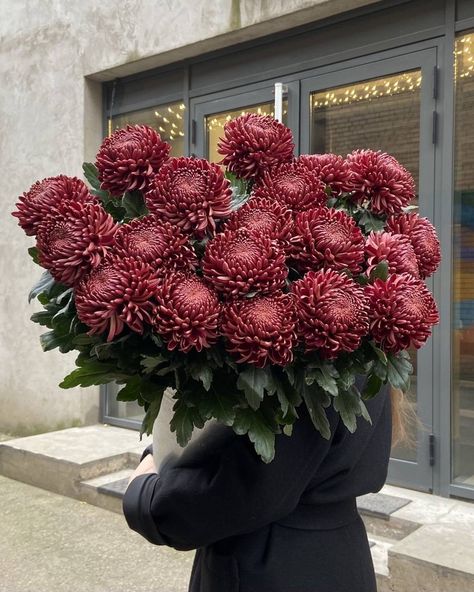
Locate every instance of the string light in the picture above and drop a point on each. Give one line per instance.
(464, 56)
(367, 91)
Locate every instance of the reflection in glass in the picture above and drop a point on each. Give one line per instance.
(215, 124)
(167, 119)
(121, 409)
(463, 267)
(380, 114)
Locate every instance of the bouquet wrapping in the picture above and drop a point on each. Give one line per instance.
(250, 287)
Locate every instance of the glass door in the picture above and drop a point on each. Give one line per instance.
(386, 105)
(210, 114)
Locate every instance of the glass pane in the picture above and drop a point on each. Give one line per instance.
(463, 267)
(121, 409)
(215, 124)
(380, 114)
(167, 119)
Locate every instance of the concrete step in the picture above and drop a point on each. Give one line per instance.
(106, 491)
(60, 461)
(378, 511)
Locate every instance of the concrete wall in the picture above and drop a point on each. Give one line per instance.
(50, 122)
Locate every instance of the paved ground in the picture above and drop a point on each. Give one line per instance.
(50, 543)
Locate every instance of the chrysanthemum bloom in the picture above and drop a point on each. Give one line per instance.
(332, 312)
(238, 262)
(263, 217)
(332, 169)
(187, 313)
(118, 292)
(395, 249)
(380, 179)
(130, 158)
(74, 240)
(261, 330)
(44, 197)
(325, 237)
(402, 312)
(293, 185)
(159, 243)
(423, 237)
(253, 143)
(191, 193)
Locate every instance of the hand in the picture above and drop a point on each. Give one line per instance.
(146, 466)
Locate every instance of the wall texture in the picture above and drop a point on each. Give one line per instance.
(52, 55)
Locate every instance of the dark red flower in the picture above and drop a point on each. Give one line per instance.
(422, 235)
(332, 169)
(381, 180)
(263, 217)
(191, 193)
(325, 237)
(159, 243)
(130, 158)
(402, 312)
(253, 143)
(293, 185)
(118, 292)
(261, 330)
(332, 312)
(44, 197)
(74, 240)
(238, 262)
(395, 249)
(187, 314)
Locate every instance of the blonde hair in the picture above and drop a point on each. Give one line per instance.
(403, 417)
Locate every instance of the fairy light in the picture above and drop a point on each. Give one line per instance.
(464, 56)
(368, 91)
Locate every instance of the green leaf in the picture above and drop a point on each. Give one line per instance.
(34, 254)
(288, 430)
(131, 390)
(201, 372)
(240, 192)
(371, 223)
(134, 205)
(325, 375)
(92, 373)
(380, 271)
(184, 420)
(51, 340)
(253, 382)
(381, 355)
(399, 369)
(317, 400)
(372, 387)
(348, 405)
(150, 363)
(255, 426)
(91, 174)
(151, 414)
(44, 284)
(43, 318)
(219, 406)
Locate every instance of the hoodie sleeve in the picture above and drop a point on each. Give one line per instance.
(219, 487)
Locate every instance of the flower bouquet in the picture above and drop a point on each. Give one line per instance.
(249, 292)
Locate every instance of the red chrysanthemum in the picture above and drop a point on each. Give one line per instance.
(263, 217)
(381, 180)
(45, 197)
(187, 314)
(261, 330)
(253, 143)
(239, 262)
(325, 237)
(191, 193)
(118, 292)
(293, 185)
(74, 240)
(159, 243)
(332, 169)
(395, 249)
(402, 312)
(130, 158)
(332, 312)
(422, 235)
